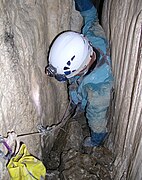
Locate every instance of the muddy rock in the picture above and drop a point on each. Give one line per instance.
(68, 159)
(70, 137)
(75, 136)
(76, 166)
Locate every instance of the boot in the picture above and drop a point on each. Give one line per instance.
(96, 139)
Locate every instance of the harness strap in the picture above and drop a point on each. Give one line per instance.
(104, 58)
(9, 154)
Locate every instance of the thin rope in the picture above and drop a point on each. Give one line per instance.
(52, 128)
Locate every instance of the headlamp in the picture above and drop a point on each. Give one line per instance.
(52, 72)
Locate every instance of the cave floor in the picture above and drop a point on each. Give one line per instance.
(69, 160)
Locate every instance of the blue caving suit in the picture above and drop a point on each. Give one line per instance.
(92, 91)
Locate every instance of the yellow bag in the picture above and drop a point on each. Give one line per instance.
(26, 167)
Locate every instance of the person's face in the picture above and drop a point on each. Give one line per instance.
(92, 60)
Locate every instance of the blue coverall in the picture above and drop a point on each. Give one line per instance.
(92, 91)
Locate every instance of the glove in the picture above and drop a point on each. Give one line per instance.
(73, 97)
(83, 5)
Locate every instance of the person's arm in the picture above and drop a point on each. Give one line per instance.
(91, 29)
(83, 5)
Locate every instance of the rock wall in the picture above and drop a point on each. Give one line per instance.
(27, 96)
(122, 21)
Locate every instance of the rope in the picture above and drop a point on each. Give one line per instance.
(50, 129)
(64, 119)
(41, 131)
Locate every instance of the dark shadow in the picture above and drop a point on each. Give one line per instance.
(99, 5)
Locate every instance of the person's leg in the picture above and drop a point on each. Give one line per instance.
(96, 113)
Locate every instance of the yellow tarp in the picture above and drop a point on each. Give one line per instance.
(26, 167)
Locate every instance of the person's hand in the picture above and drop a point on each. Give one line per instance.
(73, 97)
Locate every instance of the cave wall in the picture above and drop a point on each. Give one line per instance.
(27, 96)
(122, 21)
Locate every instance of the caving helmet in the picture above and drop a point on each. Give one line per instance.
(69, 54)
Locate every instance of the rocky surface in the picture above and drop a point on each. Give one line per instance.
(27, 96)
(122, 21)
(68, 159)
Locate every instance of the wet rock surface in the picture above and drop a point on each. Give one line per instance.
(68, 159)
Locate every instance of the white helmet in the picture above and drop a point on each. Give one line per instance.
(69, 54)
